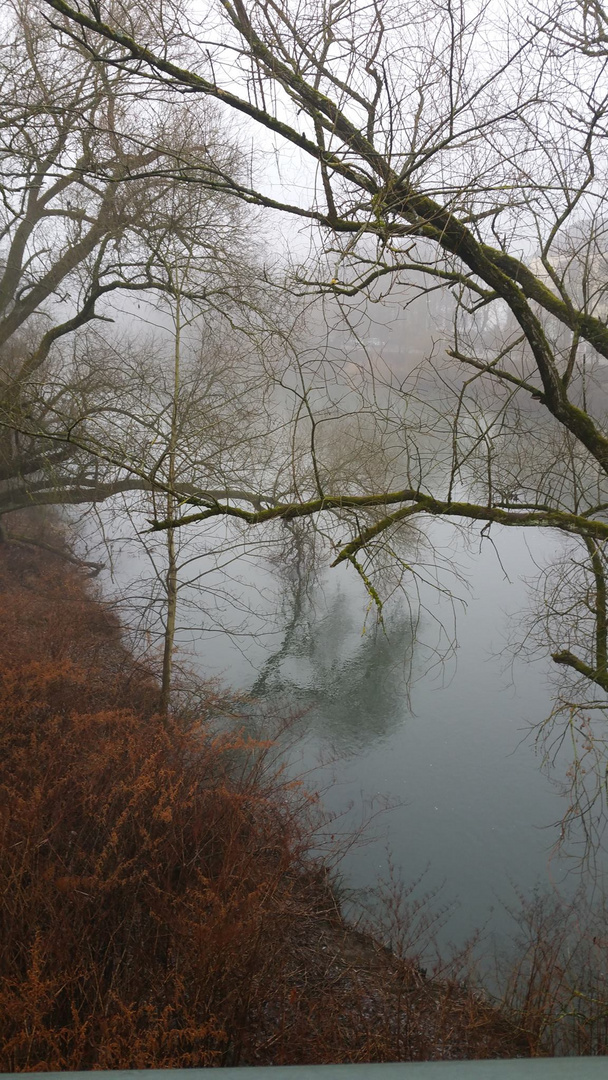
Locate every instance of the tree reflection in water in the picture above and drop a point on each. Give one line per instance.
(348, 674)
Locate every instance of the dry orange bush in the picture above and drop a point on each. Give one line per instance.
(145, 877)
(160, 905)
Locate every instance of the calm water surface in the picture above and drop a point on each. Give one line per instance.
(448, 743)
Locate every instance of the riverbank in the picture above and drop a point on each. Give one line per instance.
(162, 908)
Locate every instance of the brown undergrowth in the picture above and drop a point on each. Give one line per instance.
(555, 975)
(160, 905)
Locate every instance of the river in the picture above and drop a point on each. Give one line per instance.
(447, 743)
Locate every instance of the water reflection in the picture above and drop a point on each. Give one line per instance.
(471, 802)
(350, 679)
(469, 798)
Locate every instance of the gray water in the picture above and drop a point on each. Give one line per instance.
(447, 742)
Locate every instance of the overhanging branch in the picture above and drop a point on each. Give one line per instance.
(419, 503)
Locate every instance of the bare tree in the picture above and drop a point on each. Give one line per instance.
(90, 168)
(429, 179)
(438, 147)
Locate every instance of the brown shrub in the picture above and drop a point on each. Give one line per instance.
(160, 908)
(144, 877)
(555, 978)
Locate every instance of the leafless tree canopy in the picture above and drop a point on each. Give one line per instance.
(449, 157)
(94, 213)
